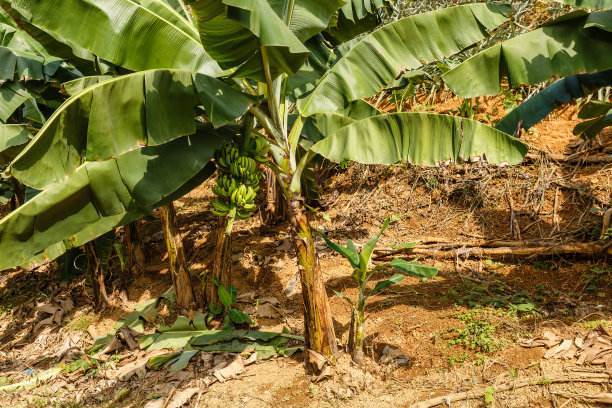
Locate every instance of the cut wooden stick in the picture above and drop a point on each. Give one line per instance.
(496, 249)
(600, 159)
(600, 378)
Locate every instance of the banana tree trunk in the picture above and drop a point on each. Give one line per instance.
(358, 347)
(97, 278)
(176, 256)
(222, 267)
(319, 329)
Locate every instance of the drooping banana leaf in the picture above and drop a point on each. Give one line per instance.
(13, 139)
(563, 47)
(591, 4)
(123, 32)
(234, 33)
(421, 139)
(541, 104)
(100, 196)
(115, 116)
(406, 44)
(599, 115)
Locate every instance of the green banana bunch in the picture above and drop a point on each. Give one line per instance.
(259, 148)
(242, 167)
(238, 179)
(226, 156)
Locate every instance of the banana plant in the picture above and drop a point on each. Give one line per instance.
(362, 273)
(119, 148)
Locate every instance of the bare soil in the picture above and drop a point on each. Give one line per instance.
(518, 297)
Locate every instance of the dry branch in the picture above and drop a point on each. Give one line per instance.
(492, 249)
(593, 377)
(561, 158)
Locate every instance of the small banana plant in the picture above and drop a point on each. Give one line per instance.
(228, 296)
(360, 261)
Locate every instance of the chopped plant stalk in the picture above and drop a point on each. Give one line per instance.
(360, 261)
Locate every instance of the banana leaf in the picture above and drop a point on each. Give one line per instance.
(13, 139)
(116, 116)
(406, 44)
(234, 33)
(123, 32)
(421, 139)
(599, 115)
(100, 196)
(541, 104)
(590, 4)
(563, 47)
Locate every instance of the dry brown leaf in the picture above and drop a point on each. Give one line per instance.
(138, 368)
(565, 345)
(181, 397)
(156, 403)
(229, 371)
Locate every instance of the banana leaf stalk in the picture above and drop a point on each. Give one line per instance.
(176, 257)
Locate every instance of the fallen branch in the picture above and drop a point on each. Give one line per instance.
(599, 378)
(491, 249)
(600, 159)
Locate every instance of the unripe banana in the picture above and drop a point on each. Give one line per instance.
(220, 213)
(220, 205)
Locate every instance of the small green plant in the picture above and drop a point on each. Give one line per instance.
(227, 297)
(478, 333)
(489, 394)
(360, 261)
(458, 358)
(597, 279)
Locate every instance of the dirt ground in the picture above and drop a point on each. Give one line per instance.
(462, 331)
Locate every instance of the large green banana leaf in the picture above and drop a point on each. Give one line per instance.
(49, 43)
(541, 104)
(234, 33)
(118, 115)
(591, 4)
(124, 32)
(100, 196)
(563, 47)
(13, 139)
(406, 44)
(421, 139)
